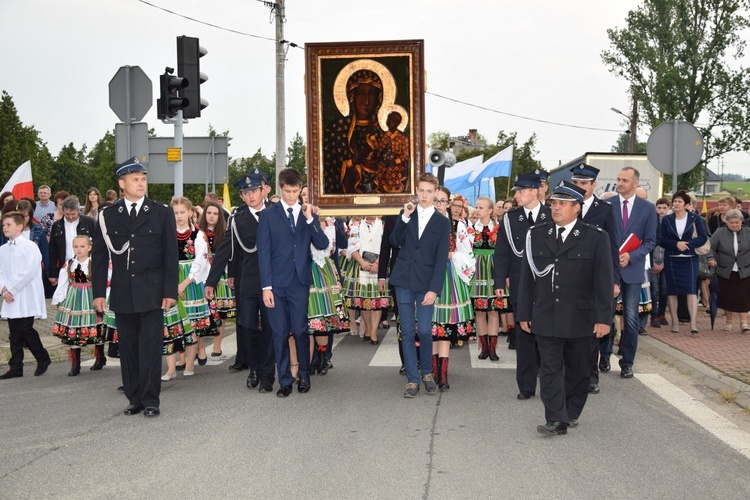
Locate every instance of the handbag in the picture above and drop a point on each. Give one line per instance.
(704, 248)
(704, 270)
(370, 257)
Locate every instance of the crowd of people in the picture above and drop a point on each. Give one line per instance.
(546, 273)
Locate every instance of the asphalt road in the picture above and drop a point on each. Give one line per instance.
(355, 436)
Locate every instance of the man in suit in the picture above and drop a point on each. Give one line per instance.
(62, 233)
(565, 297)
(140, 238)
(636, 216)
(284, 237)
(509, 260)
(418, 275)
(598, 213)
(253, 340)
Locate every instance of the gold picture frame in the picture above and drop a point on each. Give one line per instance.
(365, 124)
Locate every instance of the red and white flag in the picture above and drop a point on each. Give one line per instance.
(20, 183)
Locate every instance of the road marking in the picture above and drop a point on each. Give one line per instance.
(699, 413)
(387, 352)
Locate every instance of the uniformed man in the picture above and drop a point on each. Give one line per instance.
(140, 238)
(509, 259)
(565, 297)
(598, 213)
(543, 186)
(254, 341)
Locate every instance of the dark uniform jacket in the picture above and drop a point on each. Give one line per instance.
(57, 243)
(600, 215)
(151, 274)
(577, 292)
(242, 229)
(507, 263)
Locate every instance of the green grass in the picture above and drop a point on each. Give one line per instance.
(733, 186)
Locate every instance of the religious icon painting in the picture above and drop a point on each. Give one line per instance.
(365, 124)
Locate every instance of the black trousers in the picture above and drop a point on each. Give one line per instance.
(256, 339)
(22, 333)
(141, 344)
(564, 377)
(526, 361)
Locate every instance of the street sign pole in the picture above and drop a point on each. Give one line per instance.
(178, 144)
(674, 157)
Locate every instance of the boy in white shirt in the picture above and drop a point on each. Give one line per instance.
(23, 295)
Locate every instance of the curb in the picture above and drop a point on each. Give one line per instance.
(696, 369)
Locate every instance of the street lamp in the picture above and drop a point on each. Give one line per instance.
(632, 130)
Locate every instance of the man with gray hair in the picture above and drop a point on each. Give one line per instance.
(44, 206)
(62, 233)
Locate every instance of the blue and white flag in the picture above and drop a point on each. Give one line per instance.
(457, 176)
(497, 166)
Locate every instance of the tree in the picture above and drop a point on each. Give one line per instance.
(240, 167)
(71, 173)
(439, 140)
(296, 156)
(19, 143)
(623, 145)
(101, 159)
(675, 55)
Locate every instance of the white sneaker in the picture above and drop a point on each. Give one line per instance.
(167, 378)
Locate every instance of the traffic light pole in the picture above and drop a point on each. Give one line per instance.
(178, 144)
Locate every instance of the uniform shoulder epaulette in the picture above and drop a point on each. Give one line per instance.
(606, 202)
(540, 225)
(591, 226)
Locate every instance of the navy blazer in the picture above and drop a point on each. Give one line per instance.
(421, 262)
(281, 251)
(668, 238)
(642, 221)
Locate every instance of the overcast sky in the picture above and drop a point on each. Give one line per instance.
(538, 58)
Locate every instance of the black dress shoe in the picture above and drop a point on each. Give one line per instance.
(151, 411)
(594, 389)
(303, 385)
(120, 389)
(284, 391)
(604, 364)
(42, 367)
(552, 429)
(626, 372)
(238, 367)
(524, 395)
(266, 385)
(253, 380)
(10, 374)
(133, 409)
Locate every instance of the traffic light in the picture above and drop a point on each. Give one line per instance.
(189, 53)
(169, 102)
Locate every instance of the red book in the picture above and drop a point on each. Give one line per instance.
(631, 243)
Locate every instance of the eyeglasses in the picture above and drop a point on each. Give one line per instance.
(456, 205)
(441, 202)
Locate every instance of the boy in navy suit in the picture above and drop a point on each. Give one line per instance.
(418, 276)
(284, 259)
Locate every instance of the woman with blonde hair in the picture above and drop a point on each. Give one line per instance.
(483, 233)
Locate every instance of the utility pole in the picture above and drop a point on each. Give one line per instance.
(277, 10)
(280, 106)
(633, 123)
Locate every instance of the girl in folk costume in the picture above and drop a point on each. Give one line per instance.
(345, 265)
(77, 323)
(214, 226)
(507, 320)
(484, 235)
(361, 280)
(192, 305)
(325, 309)
(453, 316)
